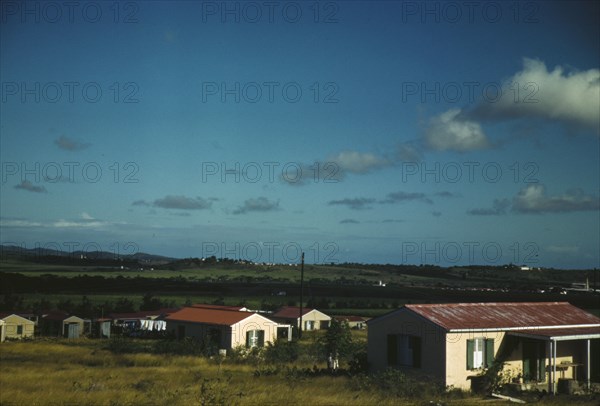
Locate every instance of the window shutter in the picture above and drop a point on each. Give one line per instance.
(416, 351)
(261, 338)
(392, 349)
(489, 352)
(470, 350)
(248, 338)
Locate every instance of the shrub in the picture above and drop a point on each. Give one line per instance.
(281, 351)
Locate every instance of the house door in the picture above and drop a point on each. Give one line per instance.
(534, 360)
(72, 330)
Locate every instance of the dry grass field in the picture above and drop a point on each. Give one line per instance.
(86, 372)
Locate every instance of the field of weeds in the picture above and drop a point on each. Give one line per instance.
(96, 372)
(87, 372)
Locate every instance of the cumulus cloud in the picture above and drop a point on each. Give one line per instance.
(30, 187)
(180, 202)
(69, 144)
(349, 221)
(335, 168)
(560, 94)
(399, 197)
(140, 203)
(358, 162)
(261, 204)
(453, 131)
(359, 203)
(533, 199)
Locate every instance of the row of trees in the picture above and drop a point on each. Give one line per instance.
(85, 308)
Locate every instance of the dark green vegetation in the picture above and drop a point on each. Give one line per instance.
(92, 287)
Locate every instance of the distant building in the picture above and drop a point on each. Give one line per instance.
(225, 328)
(312, 319)
(355, 322)
(16, 327)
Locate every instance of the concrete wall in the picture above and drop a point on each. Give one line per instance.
(456, 356)
(406, 322)
(254, 322)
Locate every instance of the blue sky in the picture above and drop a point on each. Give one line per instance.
(383, 132)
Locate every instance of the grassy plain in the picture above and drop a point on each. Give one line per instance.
(87, 372)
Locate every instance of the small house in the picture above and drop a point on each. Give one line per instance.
(355, 322)
(16, 327)
(224, 329)
(312, 319)
(455, 342)
(60, 324)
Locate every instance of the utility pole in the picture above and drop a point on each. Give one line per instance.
(301, 294)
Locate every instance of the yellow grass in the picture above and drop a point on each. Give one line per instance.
(81, 372)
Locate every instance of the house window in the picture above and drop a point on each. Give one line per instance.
(309, 325)
(480, 353)
(20, 329)
(404, 350)
(255, 338)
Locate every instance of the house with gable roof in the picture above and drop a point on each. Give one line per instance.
(453, 342)
(312, 319)
(225, 327)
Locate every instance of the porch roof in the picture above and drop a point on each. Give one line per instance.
(559, 334)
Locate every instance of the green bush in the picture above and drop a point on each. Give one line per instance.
(281, 351)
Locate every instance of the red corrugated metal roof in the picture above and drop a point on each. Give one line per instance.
(291, 312)
(209, 316)
(218, 307)
(457, 316)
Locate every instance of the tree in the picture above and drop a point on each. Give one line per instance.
(337, 341)
(124, 305)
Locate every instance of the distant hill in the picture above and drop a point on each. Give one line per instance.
(50, 255)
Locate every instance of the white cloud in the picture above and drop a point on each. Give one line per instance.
(560, 94)
(358, 162)
(533, 199)
(452, 131)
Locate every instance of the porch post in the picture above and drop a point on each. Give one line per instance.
(550, 379)
(587, 375)
(554, 368)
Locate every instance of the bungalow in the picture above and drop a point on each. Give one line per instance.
(16, 326)
(312, 319)
(355, 322)
(60, 324)
(453, 342)
(225, 329)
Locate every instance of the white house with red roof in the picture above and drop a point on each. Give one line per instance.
(225, 327)
(452, 342)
